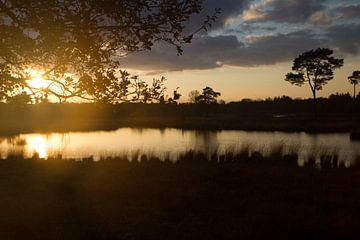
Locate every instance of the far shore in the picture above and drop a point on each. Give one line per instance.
(284, 125)
(255, 116)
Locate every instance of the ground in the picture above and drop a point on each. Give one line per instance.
(245, 198)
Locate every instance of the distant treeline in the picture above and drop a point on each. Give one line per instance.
(339, 112)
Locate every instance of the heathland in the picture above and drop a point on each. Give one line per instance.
(225, 197)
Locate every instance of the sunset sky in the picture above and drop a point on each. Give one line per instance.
(251, 47)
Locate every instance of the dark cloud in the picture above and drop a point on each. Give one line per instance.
(211, 52)
(346, 37)
(270, 50)
(349, 12)
(203, 53)
(229, 8)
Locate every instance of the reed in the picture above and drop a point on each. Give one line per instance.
(276, 154)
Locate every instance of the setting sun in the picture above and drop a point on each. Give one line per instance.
(37, 80)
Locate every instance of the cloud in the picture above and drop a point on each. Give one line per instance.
(229, 9)
(204, 52)
(253, 14)
(320, 18)
(211, 52)
(249, 28)
(269, 50)
(292, 11)
(346, 37)
(349, 12)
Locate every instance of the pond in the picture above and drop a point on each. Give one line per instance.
(169, 143)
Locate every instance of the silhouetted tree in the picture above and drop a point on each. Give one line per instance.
(354, 79)
(176, 96)
(340, 97)
(282, 99)
(76, 44)
(207, 96)
(19, 99)
(315, 67)
(247, 100)
(193, 95)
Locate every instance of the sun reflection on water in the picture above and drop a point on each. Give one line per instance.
(38, 144)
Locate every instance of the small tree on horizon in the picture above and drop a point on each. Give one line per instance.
(193, 95)
(208, 96)
(354, 79)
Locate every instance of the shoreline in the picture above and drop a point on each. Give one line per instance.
(255, 116)
(209, 124)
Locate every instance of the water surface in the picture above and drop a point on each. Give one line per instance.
(169, 143)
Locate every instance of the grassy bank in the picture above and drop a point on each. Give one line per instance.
(231, 198)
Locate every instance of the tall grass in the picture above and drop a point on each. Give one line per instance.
(277, 154)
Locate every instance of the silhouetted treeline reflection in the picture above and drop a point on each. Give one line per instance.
(337, 113)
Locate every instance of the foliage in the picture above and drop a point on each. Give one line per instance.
(221, 101)
(283, 98)
(340, 97)
(193, 95)
(76, 45)
(315, 67)
(208, 96)
(176, 96)
(354, 79)
(22, 98)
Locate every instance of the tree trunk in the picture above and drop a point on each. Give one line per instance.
(354, 91)
(315, 105)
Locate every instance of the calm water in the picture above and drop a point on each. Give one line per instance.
(172, 142)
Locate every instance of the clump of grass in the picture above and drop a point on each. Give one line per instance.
(256, 156)
(245, 151)
(214, 157)
(228, 155)
(276, 150)
(357, 161)
(291, 155)
(310, 162)
(135, 156)
(88, 160)
(16, 155)
(193, 156)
